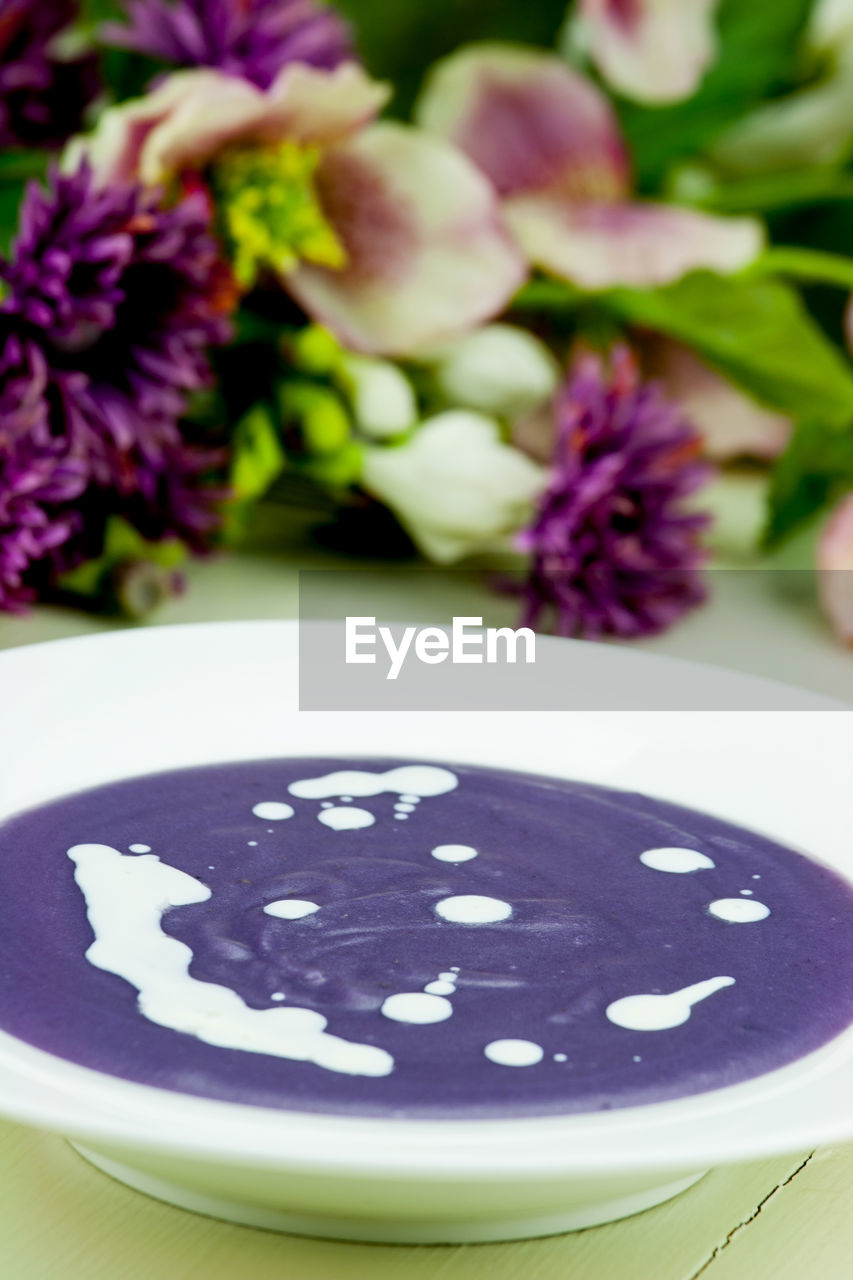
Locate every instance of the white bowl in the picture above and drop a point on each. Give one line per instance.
(83, 712)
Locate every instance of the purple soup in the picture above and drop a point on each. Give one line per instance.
(395, 938)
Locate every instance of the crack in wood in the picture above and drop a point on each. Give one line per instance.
(736, 1230)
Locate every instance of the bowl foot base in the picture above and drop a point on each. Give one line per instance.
(390, 1231)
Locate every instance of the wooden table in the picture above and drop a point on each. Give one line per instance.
(782, 1218)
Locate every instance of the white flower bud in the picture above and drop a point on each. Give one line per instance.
(455, 486)
(831, 25)
(499, 370)
(383, 401)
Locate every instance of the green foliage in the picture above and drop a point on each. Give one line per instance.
(817, 466)
(757, 332)
(400, 39)
(17, 169)
(257, 455)
(759, 53)
(122, 545)
(776, 194)
(319, 414)
(94, 12)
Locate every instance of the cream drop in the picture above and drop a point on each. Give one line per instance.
(514, 1053)
(454, 853)
(346, 819)
(140, 848)
(737, 911)
(470, 908)
(273, 810)
(676, 861)
(291, 909)
(419, 1007)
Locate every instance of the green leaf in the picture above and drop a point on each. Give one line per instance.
(122, 544)
(94, 12)
(17, 168)
(548, 295)
(400, 39)
(759, 50)
(338, 471)
(815, 466)
(755, 331)
(812, 266)
(258, 456)
(794, 189)
(320, 415)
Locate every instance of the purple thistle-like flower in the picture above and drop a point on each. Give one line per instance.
(616, 549)
(112, 304)
(39, 478)
(43, 96)
(129, 294)
(249, 38)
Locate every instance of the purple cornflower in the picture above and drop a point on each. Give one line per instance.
(249, 38)
(43, 95)
(112, 304)
(615, 549)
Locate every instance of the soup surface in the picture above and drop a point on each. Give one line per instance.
(386, 937)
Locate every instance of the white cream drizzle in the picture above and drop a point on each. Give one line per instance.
(415, 781)
(658, 1012)
(125, 900)
(410, 783)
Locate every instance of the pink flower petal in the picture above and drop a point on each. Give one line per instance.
(529, 122)
(835, 570)
(429, 258)
(185, 122)
(732, 424)
(649, 50)
(597, 246)
(308, 104)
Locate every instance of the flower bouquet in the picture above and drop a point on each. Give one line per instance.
(522, 305)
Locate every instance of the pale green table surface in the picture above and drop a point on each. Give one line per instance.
(784, 1218)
